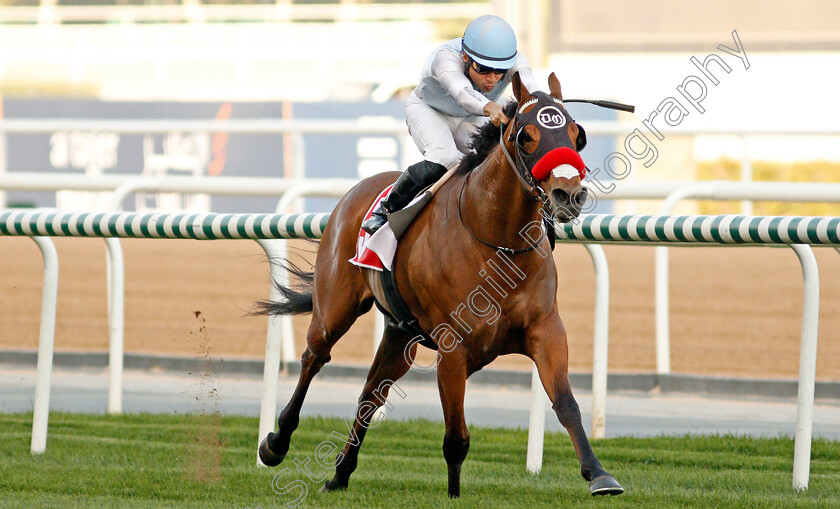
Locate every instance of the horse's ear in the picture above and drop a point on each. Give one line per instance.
(519, 91)
(554, 87)
(515, 83)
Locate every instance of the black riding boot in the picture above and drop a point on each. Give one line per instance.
(414, 179)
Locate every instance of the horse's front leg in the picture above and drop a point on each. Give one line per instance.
(452, 380)
(547, 347)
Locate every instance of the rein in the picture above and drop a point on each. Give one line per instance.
(528, 184)
(506, 250)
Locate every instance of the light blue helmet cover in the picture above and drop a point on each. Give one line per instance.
(490, 41)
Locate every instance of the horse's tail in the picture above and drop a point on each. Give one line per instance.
(296, 297)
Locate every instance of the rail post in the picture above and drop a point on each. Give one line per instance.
(46, 340)
(807, 366)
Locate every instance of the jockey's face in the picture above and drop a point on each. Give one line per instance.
(485, 82)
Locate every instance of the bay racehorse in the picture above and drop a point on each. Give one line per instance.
(475, 269)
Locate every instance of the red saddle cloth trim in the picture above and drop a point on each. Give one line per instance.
(365, 257)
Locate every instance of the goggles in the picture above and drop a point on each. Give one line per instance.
(483, 69)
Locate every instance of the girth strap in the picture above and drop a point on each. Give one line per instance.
(400, 315)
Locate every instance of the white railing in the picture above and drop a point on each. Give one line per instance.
(122, 187)
(671, 191)
(385, 126)
(623, 190)
(379, 126)
(798, 232)
(292, 189)
(396, 127)
(721, 191)
(40, 224)
(46, 340)
(279, 335)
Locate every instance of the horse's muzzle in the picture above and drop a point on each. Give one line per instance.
(567, 205)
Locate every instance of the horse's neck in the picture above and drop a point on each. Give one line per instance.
(495, 203)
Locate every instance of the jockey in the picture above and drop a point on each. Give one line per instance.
(459, 86)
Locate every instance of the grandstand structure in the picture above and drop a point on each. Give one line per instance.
(195, 50)
(345, 49)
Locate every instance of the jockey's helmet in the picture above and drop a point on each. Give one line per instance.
(490, 41)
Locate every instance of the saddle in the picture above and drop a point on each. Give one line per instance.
(377, 252)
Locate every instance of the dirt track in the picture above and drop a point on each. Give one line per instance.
(734, 311)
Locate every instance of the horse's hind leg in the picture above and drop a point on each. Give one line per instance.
(392, 361)
(548, 349)
(325, 329)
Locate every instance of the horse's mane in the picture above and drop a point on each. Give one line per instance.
(484, 141)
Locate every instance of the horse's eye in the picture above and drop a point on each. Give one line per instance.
(524, 138)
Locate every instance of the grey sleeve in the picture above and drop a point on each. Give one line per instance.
(448, 69)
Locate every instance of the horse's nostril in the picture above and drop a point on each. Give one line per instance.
(568, 205)
(580, 196)
(560, 197)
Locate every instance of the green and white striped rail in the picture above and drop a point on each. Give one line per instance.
(798, 232)
(724, 229)
(34, 222)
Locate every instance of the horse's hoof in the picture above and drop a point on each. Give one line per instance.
(605, 485)
(333, 486)
(267, 456)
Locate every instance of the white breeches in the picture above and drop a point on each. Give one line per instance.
(441, 138)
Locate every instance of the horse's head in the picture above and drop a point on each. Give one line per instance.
(546, 141)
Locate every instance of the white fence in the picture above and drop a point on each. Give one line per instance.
(279, 331)
(767, 191)
(798, 232)
(672, 192)
(123, 185)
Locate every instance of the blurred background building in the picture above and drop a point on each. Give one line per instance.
(346, 49)
(283, 55)
(770, 115)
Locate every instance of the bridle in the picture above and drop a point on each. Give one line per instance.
(529, 183)
(532, 188)
(526, 178)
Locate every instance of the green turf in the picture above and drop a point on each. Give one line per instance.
(209, 461)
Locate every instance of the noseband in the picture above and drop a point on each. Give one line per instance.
(526, 178)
